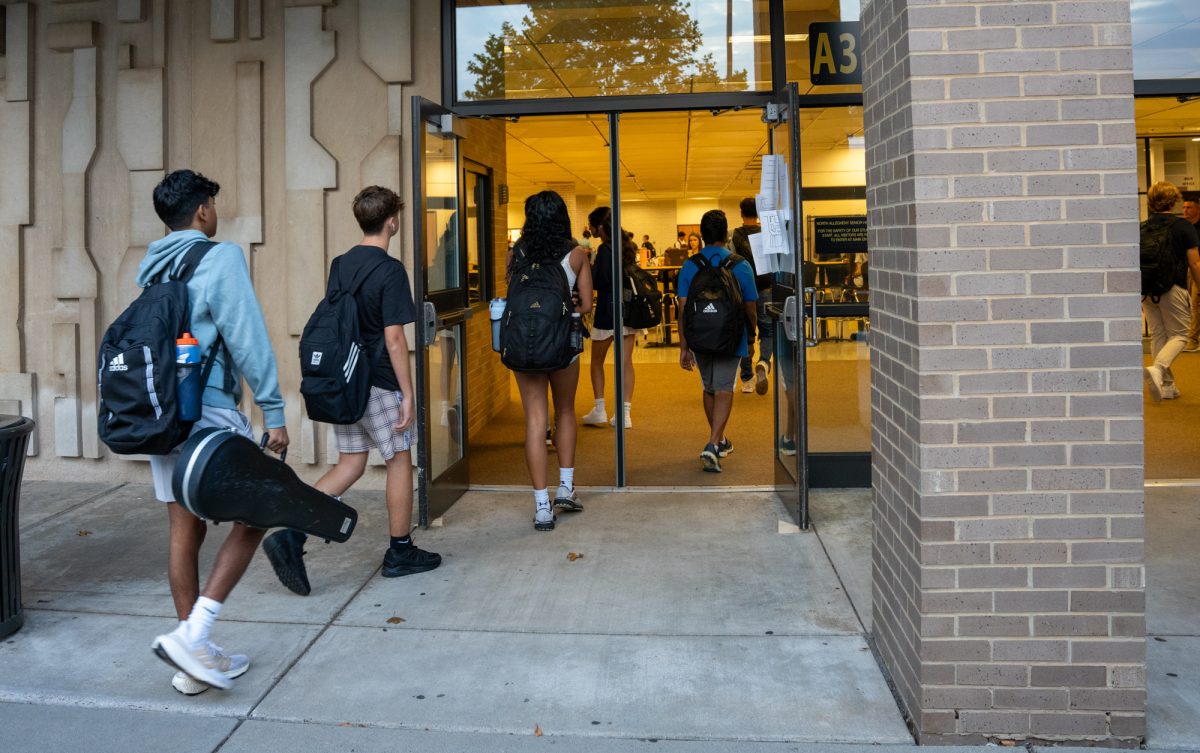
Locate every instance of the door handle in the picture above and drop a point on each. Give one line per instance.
(429, 323)
(811, 342)
(789, 318)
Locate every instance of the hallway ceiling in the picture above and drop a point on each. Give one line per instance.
(664, 155)
(1167, 116)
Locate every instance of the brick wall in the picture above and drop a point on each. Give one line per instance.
(1006, 361)
(487, 379)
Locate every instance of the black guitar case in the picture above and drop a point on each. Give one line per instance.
(222, 476)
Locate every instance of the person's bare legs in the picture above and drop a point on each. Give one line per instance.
(563, 385)
(350, 467)
(627, 343)
(399, 493)
(599, 353)
(533, 398)
(187, 533)
(717, 406)
(232, 560)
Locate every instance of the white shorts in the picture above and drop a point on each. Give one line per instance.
(377, 427)
(162, 467)
(599, 335)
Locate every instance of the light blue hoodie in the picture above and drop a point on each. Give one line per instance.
(222, 298)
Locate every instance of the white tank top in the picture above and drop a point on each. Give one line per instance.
(566, 265)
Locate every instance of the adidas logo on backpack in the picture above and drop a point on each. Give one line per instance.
(118, 363)
(710, 309)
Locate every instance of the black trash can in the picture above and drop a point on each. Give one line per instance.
(14, 435)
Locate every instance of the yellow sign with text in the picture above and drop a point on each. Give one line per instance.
(833, 53)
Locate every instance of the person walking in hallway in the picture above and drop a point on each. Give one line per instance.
(739, 243)
(1191, 213)
(385, 305)
(1169, 250)
(603, 326)
(546, 242)
(223, 305)
(714, 336)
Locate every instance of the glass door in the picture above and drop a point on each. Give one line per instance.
(442, 291)
(779, 212)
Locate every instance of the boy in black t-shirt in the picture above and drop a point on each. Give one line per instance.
(385, 305)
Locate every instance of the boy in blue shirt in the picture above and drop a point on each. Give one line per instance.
(718, 373)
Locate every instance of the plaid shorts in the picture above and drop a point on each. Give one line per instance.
(377, 427)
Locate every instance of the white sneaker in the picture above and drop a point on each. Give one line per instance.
(762, 370)
(543, 519)
(567, 499)
(232, 665)
(193, 659)
(748, 386)
(628, 421)
(1154, 382)
(595, 417)
(1170, 392)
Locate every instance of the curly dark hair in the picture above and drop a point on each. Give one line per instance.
(179, 195)
(601, 219)
(546, 234)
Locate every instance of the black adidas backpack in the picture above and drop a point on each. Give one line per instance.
(139, 410)
(335, 369)
(714, 317)
(535, 333)
(642, 302)
(1161, 267)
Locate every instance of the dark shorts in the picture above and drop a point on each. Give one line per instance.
(717, 373)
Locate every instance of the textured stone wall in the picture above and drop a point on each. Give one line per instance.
(291, 105)
(1006, 363)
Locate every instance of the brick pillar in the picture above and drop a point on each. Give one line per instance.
(1006, 367)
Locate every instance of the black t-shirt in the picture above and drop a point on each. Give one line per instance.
(739, 242)
(384, 299)
(1183, 236)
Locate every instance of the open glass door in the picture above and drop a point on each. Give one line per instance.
(441, 290)
(787, 302)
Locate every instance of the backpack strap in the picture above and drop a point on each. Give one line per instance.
(359, 278)
(191, 260)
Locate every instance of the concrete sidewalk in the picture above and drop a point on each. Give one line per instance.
(691, 622)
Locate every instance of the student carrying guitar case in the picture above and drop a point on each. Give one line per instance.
(222, 476)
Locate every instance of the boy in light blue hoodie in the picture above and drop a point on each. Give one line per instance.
(221, 298)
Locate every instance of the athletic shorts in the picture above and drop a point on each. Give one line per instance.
(717, 373)
(377, 427)
(600, 335)
(162, 467)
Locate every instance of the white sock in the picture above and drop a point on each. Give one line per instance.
(566, 477)
(600, 404)
(200, 621)
(541, 497)
(627, 407)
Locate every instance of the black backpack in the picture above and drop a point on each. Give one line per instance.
(535, 333)
(643, 303)
(335, 369)
(139, 410)
(715, 315)
(1161, 267)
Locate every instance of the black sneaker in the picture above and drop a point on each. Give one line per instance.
(285, 552)
(408, 561)
(725, 447)
(710, 458)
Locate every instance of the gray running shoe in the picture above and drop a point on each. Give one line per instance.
(567, 500)
(710, 458)
(233, 665)
(544, 519)
(193, 659)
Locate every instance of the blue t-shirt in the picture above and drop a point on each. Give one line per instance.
(743, 273)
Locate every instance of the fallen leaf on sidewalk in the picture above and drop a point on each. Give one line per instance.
(537, 730)
(395, 620)
(83, 533)
(572, 556)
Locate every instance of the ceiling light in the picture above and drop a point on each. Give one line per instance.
(856, 142)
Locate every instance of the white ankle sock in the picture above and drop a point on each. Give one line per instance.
(566, 477)
(541, 497)
(627, 407)
(600, 403)
(200, 621)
